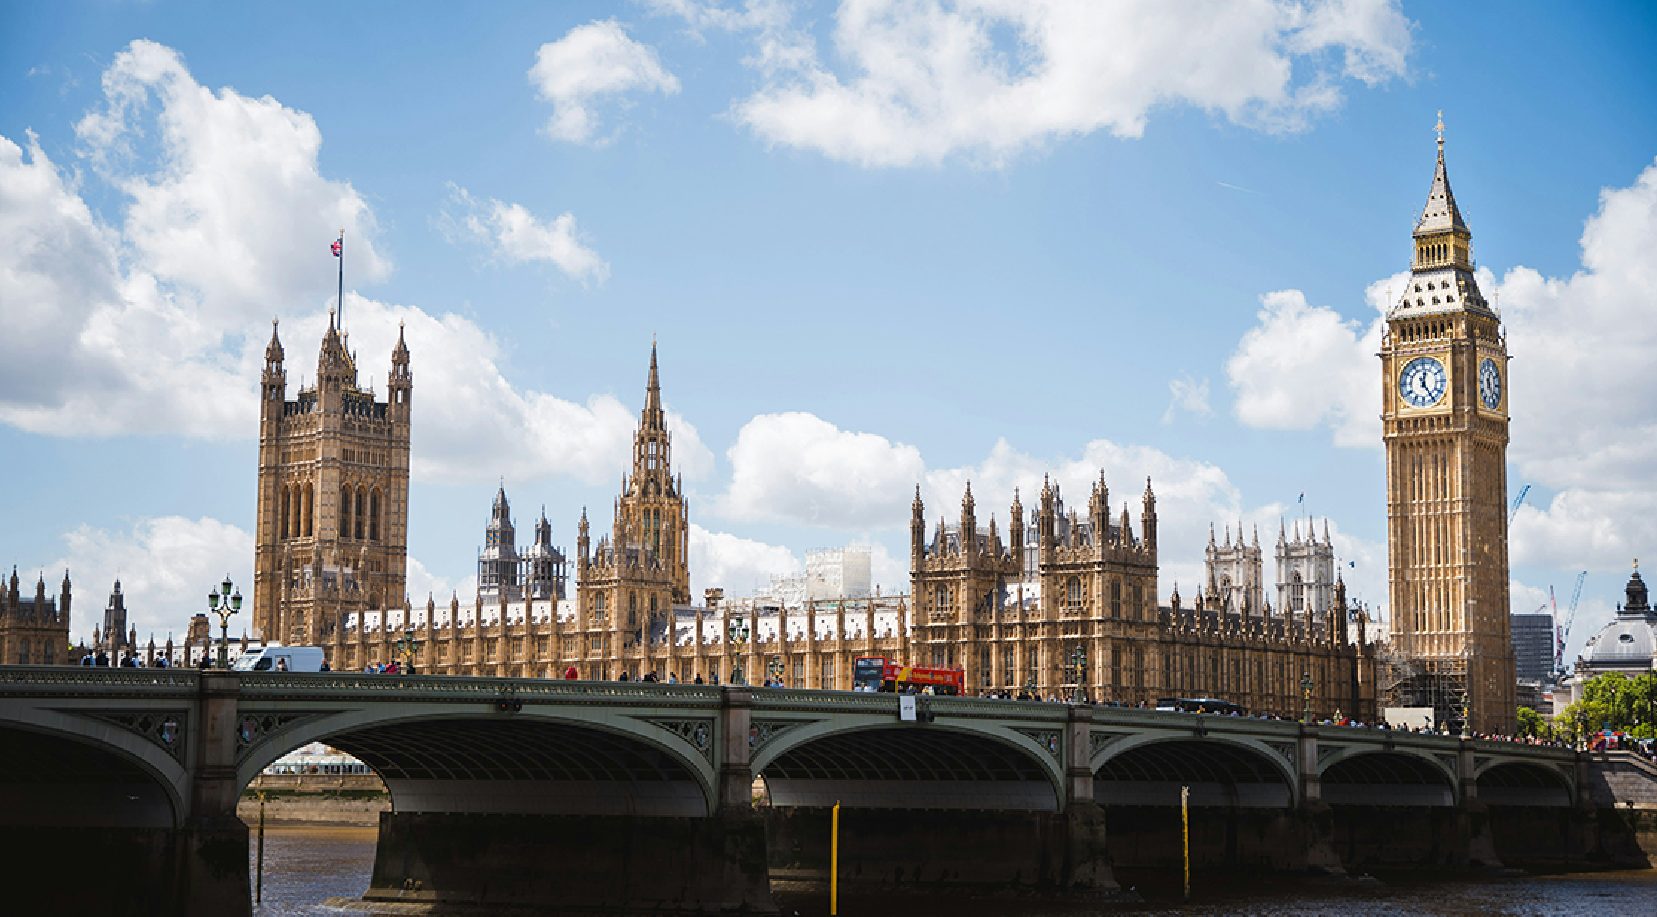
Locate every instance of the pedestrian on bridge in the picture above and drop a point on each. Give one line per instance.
(570, 674)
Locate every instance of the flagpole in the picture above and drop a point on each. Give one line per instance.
(342, 278)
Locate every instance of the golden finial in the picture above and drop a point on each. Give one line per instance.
(1440, 127)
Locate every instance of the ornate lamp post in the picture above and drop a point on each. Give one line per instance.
(1466, 708)
(222, 603)
(774, 668)
(1078, 666)
(406, 645)
(737, 630)
(1306, 697)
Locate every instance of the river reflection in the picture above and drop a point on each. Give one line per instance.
(306, 865)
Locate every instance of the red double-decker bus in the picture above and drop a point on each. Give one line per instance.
(877, 673)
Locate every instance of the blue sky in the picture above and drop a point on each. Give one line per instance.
(878, 245)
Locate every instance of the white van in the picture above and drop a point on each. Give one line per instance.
(276, 658)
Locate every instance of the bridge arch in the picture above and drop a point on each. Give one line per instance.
(120, 778)
(1523, 783)
(532, 761)
(1387, 777)
(936, 766)
(1221, 769)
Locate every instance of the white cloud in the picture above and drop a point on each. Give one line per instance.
(1187, 394)
(1305, 366)
(797, 467)
(166, 565)
(232, 206)
(471, 424)
(225, 214)
(924, 81)
(740, 566)
(516, 236)
(107, 325)
(1582, 424)
(593, 62)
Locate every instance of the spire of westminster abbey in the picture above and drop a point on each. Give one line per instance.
(1445, 425)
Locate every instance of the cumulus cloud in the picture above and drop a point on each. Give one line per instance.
(514, 235)
(740, 566)
(1189, 395)
(165, 564)
(594, 63)
(1582, 426)
(1305, 366)
(224, 211)
(227, 216)
(797, 467)
(472, 424)
(989, 79)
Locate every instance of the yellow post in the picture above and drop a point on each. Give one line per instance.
(259, 880)
(834, 864)
(1185, 834)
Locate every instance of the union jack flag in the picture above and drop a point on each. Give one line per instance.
(337, 246)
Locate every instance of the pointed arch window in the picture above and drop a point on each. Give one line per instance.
(374, 515)
(1075, 594)
(282, 510)
(357, 515)
(310, 507)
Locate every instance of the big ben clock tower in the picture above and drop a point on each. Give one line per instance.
(1444, 417)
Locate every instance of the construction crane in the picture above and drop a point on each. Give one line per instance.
(1570, 616)
(1518, 502)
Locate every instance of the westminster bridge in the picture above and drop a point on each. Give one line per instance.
(118, 788)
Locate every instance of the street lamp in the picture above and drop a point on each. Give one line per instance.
(1306, 697)
(737, 630)
(406, 645)
(1465, 709)
(774, 668)
(222, 603)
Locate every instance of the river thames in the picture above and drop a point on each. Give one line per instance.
(307, 865)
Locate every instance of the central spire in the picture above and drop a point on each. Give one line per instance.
(1440, 214)
(651, 417)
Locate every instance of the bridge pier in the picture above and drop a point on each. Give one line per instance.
(212, 844)
(614, 865)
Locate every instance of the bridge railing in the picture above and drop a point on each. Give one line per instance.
(34, 681)
(259, 685)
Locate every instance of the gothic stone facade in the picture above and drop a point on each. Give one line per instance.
(1085, 620)
(331, 534)
(34, 630)
(1445, 425)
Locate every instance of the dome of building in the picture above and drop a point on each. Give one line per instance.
(1628, 643)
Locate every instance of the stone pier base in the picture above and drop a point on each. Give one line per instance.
(910, 850)
(612, 865)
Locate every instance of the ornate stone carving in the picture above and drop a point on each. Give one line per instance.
(1048, 739)
(698, 732)
(166, 728)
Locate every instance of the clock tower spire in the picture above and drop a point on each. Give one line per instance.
(1444, 419)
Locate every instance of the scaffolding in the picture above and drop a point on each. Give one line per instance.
(1436, 682)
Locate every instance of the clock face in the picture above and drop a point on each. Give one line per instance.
(1490, 384)
(1422, 382)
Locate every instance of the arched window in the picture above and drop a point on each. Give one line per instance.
(356, 516)
(601, 604)
(374, 515)
(310, 507)
(345, 512)
(1074, 595)
(282, 511)
(1116, 598)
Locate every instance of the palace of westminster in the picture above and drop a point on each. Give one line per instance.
(1062, 602)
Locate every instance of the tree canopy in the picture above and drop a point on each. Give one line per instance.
(1612, 701)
